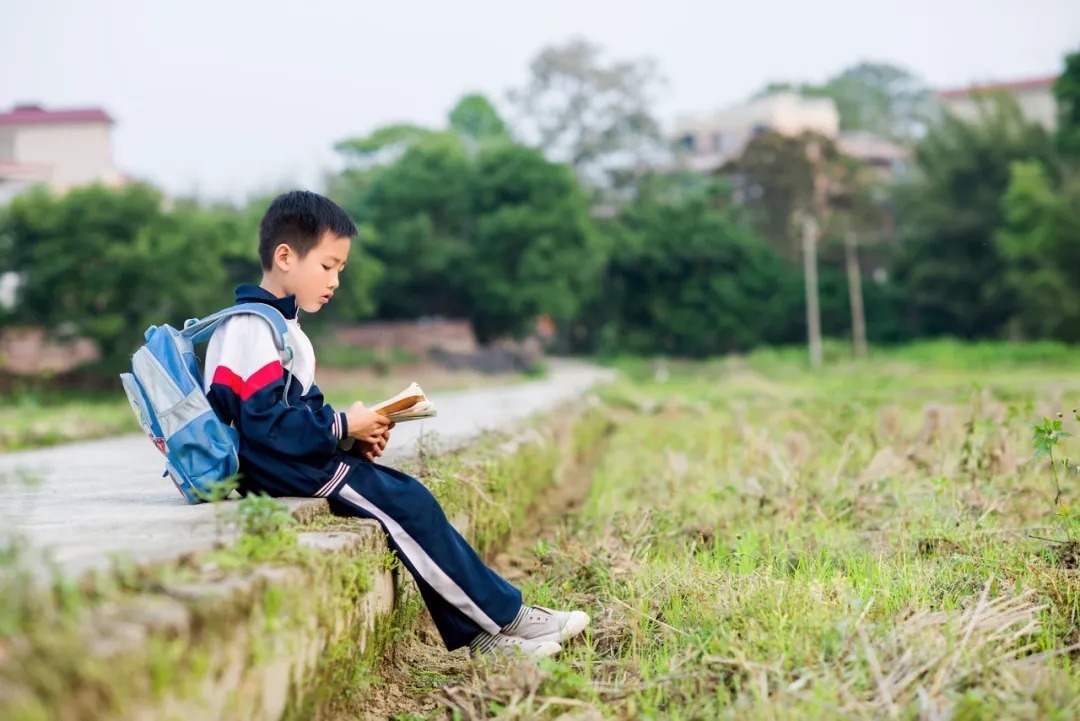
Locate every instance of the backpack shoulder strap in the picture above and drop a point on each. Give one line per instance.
(199, 331)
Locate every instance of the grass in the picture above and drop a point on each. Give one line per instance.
(31, 420)
(872, 541)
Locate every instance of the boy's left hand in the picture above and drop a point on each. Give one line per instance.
(371, 451)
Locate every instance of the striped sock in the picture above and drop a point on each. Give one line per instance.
(518, 619)
(483, 642)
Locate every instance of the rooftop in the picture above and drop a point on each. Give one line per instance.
(37, 115)
(1012, 85)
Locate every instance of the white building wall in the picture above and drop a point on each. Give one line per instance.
(74, 153)
(1037, 105)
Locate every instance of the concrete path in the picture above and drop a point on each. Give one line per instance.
(89, 503)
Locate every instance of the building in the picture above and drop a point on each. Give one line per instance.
(709, 141)
(58, 148)
(887, 159)
(1034, 95)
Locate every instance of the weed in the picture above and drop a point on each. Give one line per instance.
(785, 555)
(1047, 435)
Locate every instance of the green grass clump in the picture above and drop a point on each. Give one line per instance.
(874, 540)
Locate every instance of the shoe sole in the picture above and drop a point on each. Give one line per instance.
(577, 623)
(544, 649)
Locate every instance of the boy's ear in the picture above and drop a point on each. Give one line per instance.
(283, 256)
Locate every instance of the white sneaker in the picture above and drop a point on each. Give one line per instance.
(536, 623)
(488, 644)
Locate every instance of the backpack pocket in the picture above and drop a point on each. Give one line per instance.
(161, 390)
(199, 443)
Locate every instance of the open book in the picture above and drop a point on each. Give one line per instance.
(409, 405)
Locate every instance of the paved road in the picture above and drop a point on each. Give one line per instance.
(87, 503)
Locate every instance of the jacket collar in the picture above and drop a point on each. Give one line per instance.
(250, 293)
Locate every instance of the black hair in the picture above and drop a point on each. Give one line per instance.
(299, 219)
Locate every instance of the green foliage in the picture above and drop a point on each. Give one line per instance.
(778, 179)
(950, 266)
(1046, 435)
(494, 232)
(384, 142)
(475, 118)
(418, 207)
(688, 278)
(532, 250)
(1067, 95)
(105, 264)
(1039, 242)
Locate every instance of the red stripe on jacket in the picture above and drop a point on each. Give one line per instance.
(245, 388)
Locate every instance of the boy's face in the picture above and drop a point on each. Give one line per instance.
(314, 278)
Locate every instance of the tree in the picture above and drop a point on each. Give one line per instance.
(1039, 244)
(783, 178)
(776, 175)
(105, 264)
(533, 250)
(688, 276)
(467, 223)
(881, 99)
(475, 118)
(1067, 95)
(950, 267)
(419, 209)
(596, 116)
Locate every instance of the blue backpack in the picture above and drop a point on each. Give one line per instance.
(165, 389)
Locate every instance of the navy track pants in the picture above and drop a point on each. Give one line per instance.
(462, 594)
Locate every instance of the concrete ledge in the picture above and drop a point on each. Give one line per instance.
(209, 643)
(201, 639)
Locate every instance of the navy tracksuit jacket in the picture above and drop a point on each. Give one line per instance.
(291, 449)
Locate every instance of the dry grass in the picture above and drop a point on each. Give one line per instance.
(759, 542)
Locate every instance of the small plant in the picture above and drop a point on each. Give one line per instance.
(262, 517)
(1068, 518)
(1047, 435)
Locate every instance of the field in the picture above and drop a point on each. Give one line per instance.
(756, 541)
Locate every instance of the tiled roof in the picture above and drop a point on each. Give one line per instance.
(1027, 84)
(37, 115)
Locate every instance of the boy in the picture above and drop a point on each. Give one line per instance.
(289, 440)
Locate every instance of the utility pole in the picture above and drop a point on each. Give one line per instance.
(854, 276)
(813, 311)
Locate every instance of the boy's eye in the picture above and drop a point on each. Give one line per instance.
(328, 267)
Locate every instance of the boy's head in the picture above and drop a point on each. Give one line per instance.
(304, 241)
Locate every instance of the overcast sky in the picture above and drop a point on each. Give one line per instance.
(226, 98)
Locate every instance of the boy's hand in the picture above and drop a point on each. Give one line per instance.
(366, 425)
(371, 451)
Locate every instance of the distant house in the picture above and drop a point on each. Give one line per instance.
(58, 148)
(709, 141)
(1034, 95)
(887, 159)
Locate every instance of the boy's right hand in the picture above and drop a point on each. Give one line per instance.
(365, 424)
